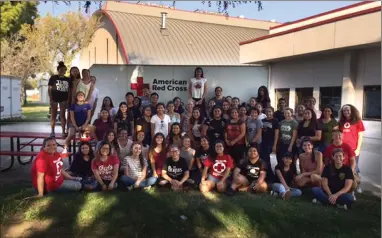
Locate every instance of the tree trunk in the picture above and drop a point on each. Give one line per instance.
(24, 94)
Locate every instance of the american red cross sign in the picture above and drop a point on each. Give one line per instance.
(139, 85)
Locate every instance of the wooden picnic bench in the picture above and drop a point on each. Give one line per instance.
(16, 150)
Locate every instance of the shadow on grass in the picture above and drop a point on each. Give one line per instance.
(158, 214)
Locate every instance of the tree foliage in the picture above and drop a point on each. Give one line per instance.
(37, 48)
(16, 13)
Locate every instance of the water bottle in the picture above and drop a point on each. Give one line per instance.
(298, 166)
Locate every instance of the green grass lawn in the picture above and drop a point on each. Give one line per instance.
(158, 214)
(32, 112)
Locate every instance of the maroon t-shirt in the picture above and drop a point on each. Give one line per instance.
(105, 168)
(102, 127)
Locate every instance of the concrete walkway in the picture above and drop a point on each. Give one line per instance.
(370, 160)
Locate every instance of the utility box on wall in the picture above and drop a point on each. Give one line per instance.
(10, 97)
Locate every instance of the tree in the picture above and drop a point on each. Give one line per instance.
(63, 36)
(223, 6)
(16, 13)
(36, 48)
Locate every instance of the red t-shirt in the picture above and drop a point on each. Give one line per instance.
(160, 159)
(51, 166)
(219, 166)
(105, 169)
(350, 133)
(349, 152)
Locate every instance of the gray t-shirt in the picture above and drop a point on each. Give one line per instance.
(286, 130)
(188, 156)
(253, 126)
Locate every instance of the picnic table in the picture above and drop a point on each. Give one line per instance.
(30, 137)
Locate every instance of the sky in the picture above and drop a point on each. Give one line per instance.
(280, 11)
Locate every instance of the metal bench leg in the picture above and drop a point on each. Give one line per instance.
(12, 157)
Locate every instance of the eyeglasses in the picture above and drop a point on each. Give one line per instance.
(174, 151)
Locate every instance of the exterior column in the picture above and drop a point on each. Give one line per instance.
(292, 98)
(349, 78)
(316, 95)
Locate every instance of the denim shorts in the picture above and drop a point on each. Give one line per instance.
(213, 179)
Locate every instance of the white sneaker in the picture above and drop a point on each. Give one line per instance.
(130, 188)
(358, 189)
(274, 193)
(345, 207)
(314, 201)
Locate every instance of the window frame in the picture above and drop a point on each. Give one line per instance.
(367, 88)
(302, 99)
(286, 99)
(320, 98)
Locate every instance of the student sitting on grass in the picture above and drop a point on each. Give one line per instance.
(188, 153)
(220, 166)
(136, 170)
(141, 138)
(175, 171)
(311, 165)
(337, 181)
(250, 175)
(81, 166)
(105, 167)
(47, 173)
(285, 175)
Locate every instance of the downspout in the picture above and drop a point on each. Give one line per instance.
(271, 92)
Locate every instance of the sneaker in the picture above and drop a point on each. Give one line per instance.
(353, 193)
(345, 207)
(275, 194)
(287, 195)
(230, 192)
(130, 188)
(52, 134)
(358, 189)
(314, 201)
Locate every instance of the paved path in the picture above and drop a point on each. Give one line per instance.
(370, 160)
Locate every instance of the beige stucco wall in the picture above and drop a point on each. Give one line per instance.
(365, 29)
(97, 52)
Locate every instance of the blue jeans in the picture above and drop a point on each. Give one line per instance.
(266, 150)
(323, 198)
(127, 181)
(92, 182)
(280, 189)
(356, 166)
(69, 186)
(106, 182)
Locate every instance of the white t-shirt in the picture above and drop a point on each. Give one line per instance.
(161, 125)
(262, 116)
(95, 95)
(197, 87)
(85, 88)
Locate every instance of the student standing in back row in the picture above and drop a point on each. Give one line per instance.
(59, 93)
(197, 89)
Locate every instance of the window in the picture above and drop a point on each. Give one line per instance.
(331, 96)
(282, 93)
(302, 94)
(372, 102)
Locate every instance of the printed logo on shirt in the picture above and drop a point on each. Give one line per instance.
(174, 170)
(267, 125)
(59, 165)
(62, 86)
(106, 172)
(219, 166)
(341, 176)
(198, 86)
(285, 128)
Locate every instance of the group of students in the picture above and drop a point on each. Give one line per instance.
(222, 144)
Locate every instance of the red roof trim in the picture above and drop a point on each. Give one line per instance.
(350, 15)
(118, 34)
(322, 14)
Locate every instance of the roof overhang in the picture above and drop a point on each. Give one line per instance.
(357, 26)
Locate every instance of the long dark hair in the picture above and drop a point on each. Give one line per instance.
(72, 76)
(91, 152)
(313, 120)
(308, 140)
(114, 142)
(198, 68)
(323, 109)
(199, 120)
(171, 134)
(355, 116)
(141, 159)
(119, 113)
(98, 153)
(154, 144)
(265, 98)
(213, 152)
(111, 102)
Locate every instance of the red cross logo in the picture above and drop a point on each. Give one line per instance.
(219, 167)
(139, 86)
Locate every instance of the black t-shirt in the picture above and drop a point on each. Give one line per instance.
(153, 110)
(146, 127)
(279, 115)
(203, 154)
(252, 171)
(81, 167)
(215, 129)
(175, 169)
(307, 131)
(337, 177)
(61, 87)
(269, 127)
(180, 110)
(125, 123)
(287, 175)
